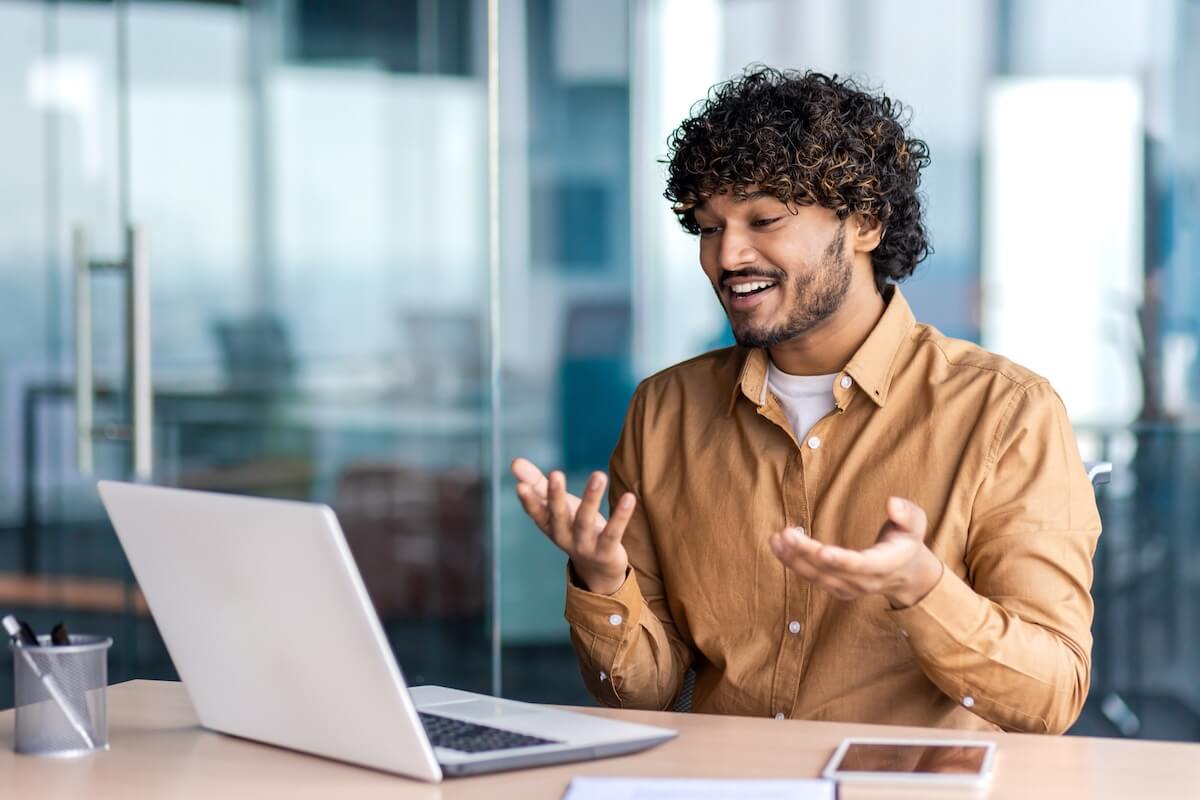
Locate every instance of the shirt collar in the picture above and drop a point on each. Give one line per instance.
(872, 366)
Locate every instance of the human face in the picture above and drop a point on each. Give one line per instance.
(779, 271)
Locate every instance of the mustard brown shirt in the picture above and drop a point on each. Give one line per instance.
(982, 445)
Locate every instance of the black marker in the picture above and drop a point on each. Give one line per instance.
(20, 631)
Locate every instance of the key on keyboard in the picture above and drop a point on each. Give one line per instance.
(467, 737)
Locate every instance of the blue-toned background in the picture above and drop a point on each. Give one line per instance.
(312, 177)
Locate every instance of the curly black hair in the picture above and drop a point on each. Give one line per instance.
(808, 139)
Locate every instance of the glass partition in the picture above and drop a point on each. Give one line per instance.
(310, 183)
(565, 292)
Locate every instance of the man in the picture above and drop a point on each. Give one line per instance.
(848, 516)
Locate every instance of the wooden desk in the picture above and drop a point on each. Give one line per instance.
(159, 752)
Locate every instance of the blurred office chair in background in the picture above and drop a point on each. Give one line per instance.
(443, 356)
(256, 353)
(597, 381)
(233, 438)
(418, 538)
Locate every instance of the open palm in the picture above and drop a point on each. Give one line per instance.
(575, 524)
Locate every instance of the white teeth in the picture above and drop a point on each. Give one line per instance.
(746, 288)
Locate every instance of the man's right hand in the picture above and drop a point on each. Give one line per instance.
(575, 524)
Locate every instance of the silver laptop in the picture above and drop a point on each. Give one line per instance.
(266, 618)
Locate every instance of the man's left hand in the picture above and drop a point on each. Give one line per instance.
(898, 566)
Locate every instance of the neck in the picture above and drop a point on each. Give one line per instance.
(827, 348)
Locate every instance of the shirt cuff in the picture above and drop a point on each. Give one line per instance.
(942, 619)
(607, 616)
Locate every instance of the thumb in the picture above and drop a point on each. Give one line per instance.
(906, 515)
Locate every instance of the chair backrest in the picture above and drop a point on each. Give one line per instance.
(1098, 472)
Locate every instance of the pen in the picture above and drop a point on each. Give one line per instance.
(24, 633)
(23, 637)
(59, 635)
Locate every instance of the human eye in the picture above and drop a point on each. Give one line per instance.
(763, 222)
(709, 230)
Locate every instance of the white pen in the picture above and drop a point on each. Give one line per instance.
(19, 638)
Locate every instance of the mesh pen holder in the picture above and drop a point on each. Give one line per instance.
(61, 707)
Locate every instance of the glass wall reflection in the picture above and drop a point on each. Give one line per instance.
(566, 297)
(311, 178)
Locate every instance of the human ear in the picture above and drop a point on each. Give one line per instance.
(867, 232)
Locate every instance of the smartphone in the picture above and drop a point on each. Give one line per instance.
(916, 762)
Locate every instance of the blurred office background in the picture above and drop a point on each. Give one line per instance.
(394, 243)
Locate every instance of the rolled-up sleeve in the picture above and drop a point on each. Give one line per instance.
(1011, 640)
(630, 653)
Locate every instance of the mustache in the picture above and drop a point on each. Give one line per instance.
(750, 272)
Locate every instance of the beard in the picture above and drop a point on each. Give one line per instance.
(818, 294)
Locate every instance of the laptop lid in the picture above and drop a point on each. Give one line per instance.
(290, 656)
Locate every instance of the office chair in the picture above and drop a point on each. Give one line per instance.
(1098, 472)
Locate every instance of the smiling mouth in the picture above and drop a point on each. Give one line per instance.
(742, 290)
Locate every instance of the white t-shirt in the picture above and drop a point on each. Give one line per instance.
(805, 398)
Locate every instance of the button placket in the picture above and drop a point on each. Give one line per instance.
(789, 664)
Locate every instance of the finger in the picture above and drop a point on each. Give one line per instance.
(907, 515)
(796, 543)
(798, 552)
(573, 503)
(525, 471)
(894, 549)
(866, 570)
(793, 560)
(560, 515)
(585, 513)
(882, 558)
(618, 520)
(534, 506)
(805, 556)
(841, 560)
(807, 567)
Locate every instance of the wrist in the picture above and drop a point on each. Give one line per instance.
(601, 582)
(925, 573)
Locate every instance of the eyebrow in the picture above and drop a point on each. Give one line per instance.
(746, 199)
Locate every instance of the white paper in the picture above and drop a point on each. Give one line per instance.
(697, 789)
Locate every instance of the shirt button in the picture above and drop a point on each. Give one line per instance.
(780, 715)
(794, 626)
(615, 619)
(904, 633)
(968, 701)
(846, 381)
(603, 677)
(814, 442)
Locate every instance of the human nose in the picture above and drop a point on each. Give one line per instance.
(735, 250)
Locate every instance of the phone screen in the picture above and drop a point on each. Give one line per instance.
(913, 759)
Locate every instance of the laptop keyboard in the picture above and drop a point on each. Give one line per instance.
(467, 737)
